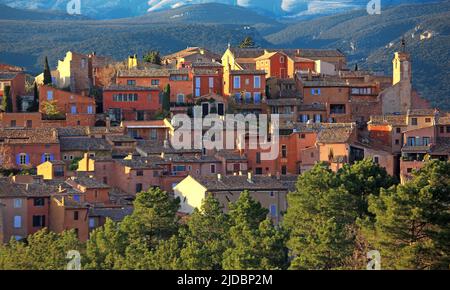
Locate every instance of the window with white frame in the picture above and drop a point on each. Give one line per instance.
(49, 95)
(23, 159)
(180, 98)
(237, 82)
(17, 203)
(211, 82)
(17, 222)
(257, 82)
(90, 109)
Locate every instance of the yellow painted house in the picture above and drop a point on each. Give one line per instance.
(269, 191)
(50, 170)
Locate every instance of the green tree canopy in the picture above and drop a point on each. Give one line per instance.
(247, 43)
(411, 224)
(153, 57)
(7, 105)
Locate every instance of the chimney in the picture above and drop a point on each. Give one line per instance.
(54, 134)
(219, 177)
(60, 189)
(108, 124)
(240, 173)
(309, 75)
(166, 144)
(249, 177)
(163, 155)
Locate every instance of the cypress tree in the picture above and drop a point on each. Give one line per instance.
(47, 73)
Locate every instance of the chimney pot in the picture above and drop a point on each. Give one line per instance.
(219, 177)
(249, 177)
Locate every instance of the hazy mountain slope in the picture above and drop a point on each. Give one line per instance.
(9, 13)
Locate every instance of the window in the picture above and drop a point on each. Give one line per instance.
(414, 121)
(83, 63)
(180, 98)
(426, 141)
(281, 59)
(91, 223)
(273, 210)
(448, 129)
(38, 221)
(153, 134)
(179, 77)
(17, 222)
(46, 157)
(131, 82)
(337, 109)
(283, 170)
(139, 173)
(318, 118)
(427, 120)
(258, 171)
(39, 201)
(90, 109)
(13, 123)
(23, 159)
(73, 109)
(258, 157)
(29, 123)
(315, 92)
(257, 97)
(441, 129)
(398, 130)
(411, 141)
(17, 203)
(304, 118)
(138, 187)
(75, 215)
(155, 82)
(211, 82)
(257, 82)
(248, 97)
(49, 95)
(283, 151)
(179, 168)
(302, 136)
(197, 86)
(140, 115)
(105, 180)
(213, 168)
(376, 159)
(409, 170)
(237, 82)
(397, 141)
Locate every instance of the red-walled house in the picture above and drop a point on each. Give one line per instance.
(15, 79)
(180, 81)
(24, 148)
(78, 110)
(131, 103)
(275, 64)
(246, 88)
(208, 79)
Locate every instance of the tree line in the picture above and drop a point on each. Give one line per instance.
(332, 222)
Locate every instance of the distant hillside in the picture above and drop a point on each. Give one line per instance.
(8, 13)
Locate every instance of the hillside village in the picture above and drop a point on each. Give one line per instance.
(80, 141)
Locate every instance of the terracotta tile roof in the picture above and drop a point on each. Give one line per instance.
(442, 146)
(240, 183)
(8, 75)
(144, 124)
(151, 72)
(394, 120)
(231, 155)
(157, 147)
(29, 136)
(120, 138)
(85, 131)
(284, 102)
(422, 112)
(336, 134)
(203, 71)
(302, 52)
(130, 88)
(139, 163)
(206, 64)
(87, 182)
(312, 107)
(444, 120)
(247, 72)
(11, 189)
(117, 214)
(84, 144)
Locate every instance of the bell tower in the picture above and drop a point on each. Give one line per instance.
(401, 65)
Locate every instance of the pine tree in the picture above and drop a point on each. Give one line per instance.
(254, 242)
(362, 179)
(35, 105)
(206, 237)
(44, 250)
(247, 43)
(166, 100)
(47, 73)
(153, 57)
(411, 224)
(319, 219)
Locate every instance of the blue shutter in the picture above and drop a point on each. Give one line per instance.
(18, 159)
(52, 157)
(312, 92)
(27, 159)
(43, 158)
(318, 91)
